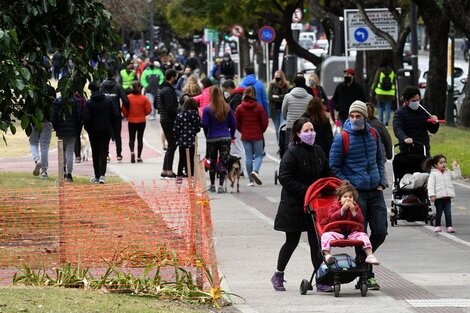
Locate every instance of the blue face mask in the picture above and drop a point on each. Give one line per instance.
(357, 124)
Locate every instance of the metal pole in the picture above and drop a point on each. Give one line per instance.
(346, 49)
(266, 49)
(414, 44)
(239, 60)
(450, 93)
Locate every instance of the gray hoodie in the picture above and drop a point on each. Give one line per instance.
(294, 105)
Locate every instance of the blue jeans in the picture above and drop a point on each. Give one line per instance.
(41, 140)
(151, 98)
(387, 105)
(443, 205)
(69, 147)
(278, 119)
(374, 210)
(253, 148)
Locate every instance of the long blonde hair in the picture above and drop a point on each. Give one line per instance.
(283, 81)
(191, 87)
(218, 106)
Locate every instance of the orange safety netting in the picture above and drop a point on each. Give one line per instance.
(96, 225)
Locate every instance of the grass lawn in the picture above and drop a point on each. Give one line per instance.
(51, 299)
(18, 145)
(453, 142)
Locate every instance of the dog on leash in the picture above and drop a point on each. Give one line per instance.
(85, 147)
(233, 172)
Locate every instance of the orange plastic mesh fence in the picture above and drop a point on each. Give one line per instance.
(94, 225)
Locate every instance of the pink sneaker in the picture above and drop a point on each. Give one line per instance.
(437, 229)
(371, 259)
(450, 229)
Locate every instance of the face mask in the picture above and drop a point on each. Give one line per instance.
(312, 83)
(225, 59)
(347, 79)
(357, 124)
(413, 105)
(136, 66)
(308, 138)
(278, 79)
(226, 94)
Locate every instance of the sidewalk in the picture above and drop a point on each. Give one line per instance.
(415, 263)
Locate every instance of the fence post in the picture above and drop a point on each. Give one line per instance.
(60, 185)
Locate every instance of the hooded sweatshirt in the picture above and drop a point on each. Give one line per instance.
(252, 121)
(110, 88)
(99, 114)
(294, 105)
(261, 96)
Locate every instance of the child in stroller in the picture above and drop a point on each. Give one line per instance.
(346, 209)
(340, 268)
(409, 195)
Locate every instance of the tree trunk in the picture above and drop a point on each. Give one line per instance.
(244, 54)
(465, 109)
(436, 85)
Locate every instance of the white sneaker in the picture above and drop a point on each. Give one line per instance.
(94, 180)
(102, 180)
(371, 259)
(256, 178)
(250, 184)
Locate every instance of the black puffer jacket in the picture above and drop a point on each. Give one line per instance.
(300, 166)
(413, 124)
(67, 118)
(168, 107)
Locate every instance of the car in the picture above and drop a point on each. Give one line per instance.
(322, 44)
(407, 53)
(459, 81)
(306, 66)
(458, 102)
(306, 43)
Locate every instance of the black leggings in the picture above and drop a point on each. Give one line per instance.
(138, 128)
(292, 240)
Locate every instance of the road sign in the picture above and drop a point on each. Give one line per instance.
(297, 16)
(361, 37)
(211, 35)
(296, 26)
(266, 34)
(237, 30)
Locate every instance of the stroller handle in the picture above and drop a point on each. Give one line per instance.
(337, 224)
(404, 144)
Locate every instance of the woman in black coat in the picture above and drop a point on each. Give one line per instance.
(302, 164)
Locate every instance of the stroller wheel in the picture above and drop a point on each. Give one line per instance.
(337, 288)
(364, 289)
(276, 177)
(305, 286)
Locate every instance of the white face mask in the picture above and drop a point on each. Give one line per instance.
(413, 105)
(226, 94)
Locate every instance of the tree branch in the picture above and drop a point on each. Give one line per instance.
(373, 28)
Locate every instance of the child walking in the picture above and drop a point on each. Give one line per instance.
(346, 209)
(187, 125)
(441, 189)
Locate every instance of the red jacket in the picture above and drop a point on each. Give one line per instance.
(139, 108)
(252, 120)
(335, 215)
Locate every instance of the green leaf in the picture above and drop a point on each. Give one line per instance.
(13, 129)
(24, 121)
(19, 84)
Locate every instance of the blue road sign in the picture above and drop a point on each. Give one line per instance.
(361, 34)
(266, 34)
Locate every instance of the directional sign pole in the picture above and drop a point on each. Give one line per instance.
(239, 59)
(266, 49)
(346, 49)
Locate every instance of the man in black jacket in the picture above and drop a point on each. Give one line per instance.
(410, 122)
(168, 110)
(346, 93)
(99, 117)
(112, 89)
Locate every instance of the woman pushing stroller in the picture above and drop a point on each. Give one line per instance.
(346, 209)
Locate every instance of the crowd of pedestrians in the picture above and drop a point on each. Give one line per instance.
(234, 119)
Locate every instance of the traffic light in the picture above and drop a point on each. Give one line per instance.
(156, 32)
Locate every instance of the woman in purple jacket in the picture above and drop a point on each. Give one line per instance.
(219, 125)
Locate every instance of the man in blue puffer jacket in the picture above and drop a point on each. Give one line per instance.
(362, 165)
(250, 80)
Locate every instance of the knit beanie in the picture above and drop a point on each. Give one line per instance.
(358, 106)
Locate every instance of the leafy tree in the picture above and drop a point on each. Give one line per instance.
(30, 31)
(459, 12)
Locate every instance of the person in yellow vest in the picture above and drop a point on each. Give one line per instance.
(384, 89)
(128, 76)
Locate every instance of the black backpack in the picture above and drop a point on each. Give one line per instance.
(152, 81)
(386, 83)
